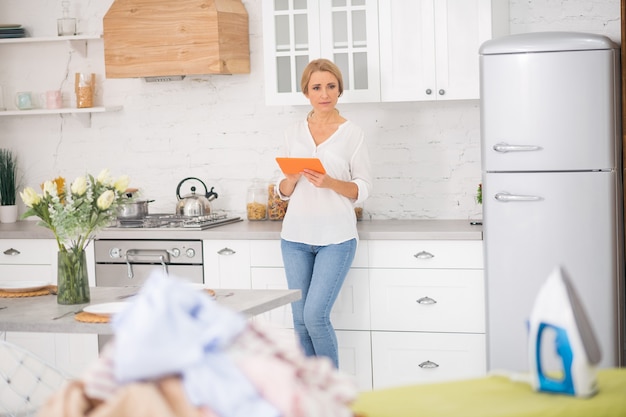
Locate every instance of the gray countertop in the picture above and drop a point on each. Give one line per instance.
(256, 230)
(36, 314)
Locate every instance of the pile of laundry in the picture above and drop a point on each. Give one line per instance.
(178, 353)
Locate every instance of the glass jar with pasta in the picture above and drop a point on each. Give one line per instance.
(276, 207)
(257, 201)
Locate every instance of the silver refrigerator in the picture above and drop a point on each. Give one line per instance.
(552, 184)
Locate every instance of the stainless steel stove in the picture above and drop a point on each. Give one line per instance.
(175, 222)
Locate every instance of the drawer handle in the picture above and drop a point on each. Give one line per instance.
(426, 300)
(424, 255)
(226, 251)
(428, 365)
(12, 252)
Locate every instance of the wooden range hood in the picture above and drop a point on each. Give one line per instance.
(160, 38)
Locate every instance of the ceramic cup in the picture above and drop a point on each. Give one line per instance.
(53, 99)
(24, 100)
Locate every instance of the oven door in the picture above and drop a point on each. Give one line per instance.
(131, 262)
(117, 275)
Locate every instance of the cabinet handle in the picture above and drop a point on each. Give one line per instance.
(505, 147)
(12, 252)
(424, 255)
(429, 92)
(442, 92)
(226, 251)
(428, 365)
(506, 197)
(426, 300)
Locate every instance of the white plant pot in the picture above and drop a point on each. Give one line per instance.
(8, 214)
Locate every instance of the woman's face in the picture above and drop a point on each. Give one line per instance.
(323, 91)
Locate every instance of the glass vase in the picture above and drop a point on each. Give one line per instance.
(72, 279)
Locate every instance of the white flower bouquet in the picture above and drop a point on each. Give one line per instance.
(74, 216)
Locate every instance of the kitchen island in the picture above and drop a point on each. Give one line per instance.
(44, 314)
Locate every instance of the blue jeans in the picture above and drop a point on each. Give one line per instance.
(319, 272)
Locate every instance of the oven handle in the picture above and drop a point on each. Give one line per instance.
(162, 256)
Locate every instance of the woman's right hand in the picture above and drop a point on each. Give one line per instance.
(288, 184)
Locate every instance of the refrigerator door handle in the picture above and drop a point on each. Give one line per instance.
(505, 147)
(506, 197)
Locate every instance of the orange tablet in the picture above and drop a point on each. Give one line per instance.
(296, 165)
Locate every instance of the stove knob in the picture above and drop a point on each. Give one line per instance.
(190, 253)
(174, 252)
(115, 253)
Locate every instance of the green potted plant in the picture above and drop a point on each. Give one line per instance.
(8, 186)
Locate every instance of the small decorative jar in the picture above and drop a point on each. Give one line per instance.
(257, 201)
(276, 208)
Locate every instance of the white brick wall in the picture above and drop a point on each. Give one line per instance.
(426, 156)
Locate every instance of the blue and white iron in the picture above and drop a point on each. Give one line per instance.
(559, 321)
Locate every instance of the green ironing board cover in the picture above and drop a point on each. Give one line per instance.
(493, 396)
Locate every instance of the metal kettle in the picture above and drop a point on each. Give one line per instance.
(194, 204)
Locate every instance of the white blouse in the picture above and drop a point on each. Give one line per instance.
(320, 216)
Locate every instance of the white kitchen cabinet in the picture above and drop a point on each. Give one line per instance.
(405, 358)
(296, 32)
(410, 311)
(69, 352)
(350, 315)
(227, 263)
(429, 254)
(28, 260)
(351, 310)
(36, 260)
(355, 356)
(428, 300)
(427, 311)
(429, 48)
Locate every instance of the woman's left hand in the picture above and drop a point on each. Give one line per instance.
(317, 178)
(345, 188)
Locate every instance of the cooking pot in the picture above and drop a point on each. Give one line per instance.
(133, 209)
(193, 204)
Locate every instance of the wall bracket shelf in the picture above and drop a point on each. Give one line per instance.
(83, 114)
(78, 42)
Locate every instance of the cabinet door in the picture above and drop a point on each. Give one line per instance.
(290, 39)
(355, 356)
(461, 26)
(349, 38)
(265, 253)
(426, 254)
(75, 352)
(407, 50)
(70, 353)
(432, 300)
(298, 31)
(402, 358)
(28, 259)
(350, 312)
(429, 48)
(227, 263)
(272, 279)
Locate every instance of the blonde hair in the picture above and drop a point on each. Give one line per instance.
(320, 65)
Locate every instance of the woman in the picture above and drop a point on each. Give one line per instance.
(319, 235)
